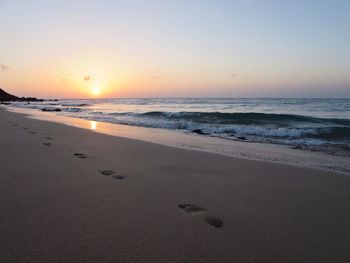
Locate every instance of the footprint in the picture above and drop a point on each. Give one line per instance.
(32, 132)
(190, 208)
(213, 221)
(106, 172)
(112, 174)
(194, 209)
(49, 138)
(80, 155)
(47, 144)
(24, 128)
(118, 177)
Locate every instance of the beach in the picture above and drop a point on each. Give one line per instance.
(73, 195)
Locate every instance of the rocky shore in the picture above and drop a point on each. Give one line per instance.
(4, 96)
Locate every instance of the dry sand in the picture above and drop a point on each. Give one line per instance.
(72, 195)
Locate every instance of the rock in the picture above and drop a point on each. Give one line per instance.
(50, 109)
(198, 131)
(4, 96)
(297, 147)
(241, 138)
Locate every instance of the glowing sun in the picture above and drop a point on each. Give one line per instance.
(95, 90)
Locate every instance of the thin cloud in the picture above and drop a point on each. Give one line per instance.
(4, 67)
(87, 78)
(157, 74)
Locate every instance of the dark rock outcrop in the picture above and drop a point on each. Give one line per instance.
(50, 109)
(4, 96)
(198, 131)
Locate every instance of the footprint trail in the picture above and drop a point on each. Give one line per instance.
(202, 213)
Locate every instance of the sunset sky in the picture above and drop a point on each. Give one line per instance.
(179, 48)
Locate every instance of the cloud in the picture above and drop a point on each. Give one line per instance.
(4, 67)
(234, 75)
(64, 79)
(156, 74)
(87, 78)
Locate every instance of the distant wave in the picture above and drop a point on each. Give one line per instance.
(75, 104)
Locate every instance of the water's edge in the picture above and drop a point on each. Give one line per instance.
(308, 124)
(247, 150)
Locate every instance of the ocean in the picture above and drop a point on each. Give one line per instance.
(309, 124)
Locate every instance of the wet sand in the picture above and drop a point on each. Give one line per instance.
(72, 195)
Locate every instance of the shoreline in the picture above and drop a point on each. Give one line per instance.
(273, 153)
(73, 195)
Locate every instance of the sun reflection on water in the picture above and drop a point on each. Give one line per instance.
(93, 125)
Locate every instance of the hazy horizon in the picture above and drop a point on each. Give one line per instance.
(182, 49)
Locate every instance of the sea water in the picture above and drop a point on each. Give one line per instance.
(312, 124)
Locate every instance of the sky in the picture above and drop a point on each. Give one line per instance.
(179, 48)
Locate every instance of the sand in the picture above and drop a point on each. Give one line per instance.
(73, 195)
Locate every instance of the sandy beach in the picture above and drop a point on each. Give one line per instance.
(72, 195)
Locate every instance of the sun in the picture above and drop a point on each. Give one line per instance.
(96, 90)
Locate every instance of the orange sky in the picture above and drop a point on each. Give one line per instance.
(81, 49)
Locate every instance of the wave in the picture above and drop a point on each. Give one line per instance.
(335, 133)
(243, 118)
(75, 104)
(250, 125)
(72, 109)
